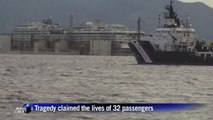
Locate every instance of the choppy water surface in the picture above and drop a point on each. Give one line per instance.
(57, 78)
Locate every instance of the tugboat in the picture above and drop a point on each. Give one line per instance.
(174, 43)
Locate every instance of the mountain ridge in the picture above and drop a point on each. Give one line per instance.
(109, 11)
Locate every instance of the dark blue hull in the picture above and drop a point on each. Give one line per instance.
(168, 58)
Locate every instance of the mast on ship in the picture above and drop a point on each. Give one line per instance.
(139, 28)
(172, 21)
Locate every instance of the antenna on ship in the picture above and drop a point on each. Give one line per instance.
(139, 28)
(71, 20)
(171, 2)
(187, 22)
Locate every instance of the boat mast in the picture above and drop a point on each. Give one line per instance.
(139, 28)
(171, 16)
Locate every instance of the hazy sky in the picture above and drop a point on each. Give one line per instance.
(208, 2)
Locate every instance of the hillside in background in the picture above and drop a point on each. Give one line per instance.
(16, 12)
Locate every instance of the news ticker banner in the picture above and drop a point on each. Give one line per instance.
(106, 107)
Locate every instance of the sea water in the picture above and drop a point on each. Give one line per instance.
(101, 79)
